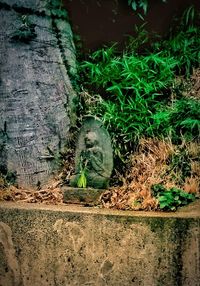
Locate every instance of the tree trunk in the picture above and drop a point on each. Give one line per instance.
(36, 96)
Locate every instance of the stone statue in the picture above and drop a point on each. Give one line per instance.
(93, 155)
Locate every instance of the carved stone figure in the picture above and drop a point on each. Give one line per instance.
(94, 158)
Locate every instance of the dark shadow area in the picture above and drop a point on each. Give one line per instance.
(104, 21)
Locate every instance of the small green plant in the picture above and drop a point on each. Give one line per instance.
(82, 180)
(171, 199)
(136, 43)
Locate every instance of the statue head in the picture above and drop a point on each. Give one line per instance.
(91, 139)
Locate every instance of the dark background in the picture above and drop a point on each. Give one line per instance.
(104, 21)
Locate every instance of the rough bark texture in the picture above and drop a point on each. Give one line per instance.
(36, 96)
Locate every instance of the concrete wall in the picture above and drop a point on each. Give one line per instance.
(63, 245)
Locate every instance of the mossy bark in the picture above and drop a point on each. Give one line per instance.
(36, 95)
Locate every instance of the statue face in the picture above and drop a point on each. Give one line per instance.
(90, 139)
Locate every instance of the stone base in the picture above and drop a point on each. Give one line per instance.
(83, 196)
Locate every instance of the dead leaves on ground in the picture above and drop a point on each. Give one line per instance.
(51, 194)
(150, 165)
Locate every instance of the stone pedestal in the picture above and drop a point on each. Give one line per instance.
(83, 196)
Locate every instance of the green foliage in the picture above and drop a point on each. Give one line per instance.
(143, 4)
(56, 9)
(184, 41)
(129, 74)
(132, 84)
(185, 118)
(184, 47)
(135, 87)
(140, 4)
(180, 162)
(171, 199)
(180, 119)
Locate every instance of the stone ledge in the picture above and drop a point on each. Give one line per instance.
(191, 211)
(84, 196)
(73, 245)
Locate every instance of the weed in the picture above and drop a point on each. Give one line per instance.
(185, 117)
(180, 162)
(172, 198)
(82, 180)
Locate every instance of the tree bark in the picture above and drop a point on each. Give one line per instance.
(36, 95)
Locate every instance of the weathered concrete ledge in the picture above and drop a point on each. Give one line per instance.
(84, 196)
(71, 245)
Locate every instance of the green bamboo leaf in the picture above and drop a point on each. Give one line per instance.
(82, 181)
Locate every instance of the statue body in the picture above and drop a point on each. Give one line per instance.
(92, 155)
